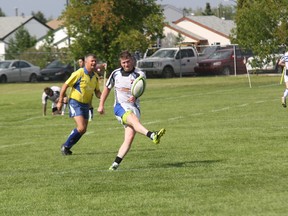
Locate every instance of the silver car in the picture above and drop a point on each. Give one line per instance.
(18, 71)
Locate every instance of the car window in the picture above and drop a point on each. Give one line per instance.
(4, 64)
(150, 52)
(23, 64)
(190, 53)
(209, 50)
(185, 53)
(15, 64)
(238, 53)
(164, 54)
(56, 64)
(220, 55)
(181, 54)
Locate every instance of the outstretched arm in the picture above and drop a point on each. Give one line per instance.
(44, 109)
(103, 98)
(61, 96)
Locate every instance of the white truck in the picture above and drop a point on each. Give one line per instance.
(170, 62)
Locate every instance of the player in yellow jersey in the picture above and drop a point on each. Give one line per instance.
(84, 83)
(91, 109)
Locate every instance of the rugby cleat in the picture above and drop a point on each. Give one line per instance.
(65, 150)
(283, 100)
(114, 167)
(158, 135)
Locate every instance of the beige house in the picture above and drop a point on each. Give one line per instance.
(171, 31)
(197, 30)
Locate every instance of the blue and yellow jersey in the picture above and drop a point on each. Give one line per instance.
(83, 85)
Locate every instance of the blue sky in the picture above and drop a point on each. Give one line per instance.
(53, 8)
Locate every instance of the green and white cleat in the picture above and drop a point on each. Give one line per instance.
(113, 167)
(158, 135)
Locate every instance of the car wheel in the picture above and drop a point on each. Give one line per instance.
(168, 72)
(3, 79)
(226, 71)
(33, 78)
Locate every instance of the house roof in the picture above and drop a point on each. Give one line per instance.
(55, 24)
(186, 32)
(213, 23)
(171, 13)
(10, 24)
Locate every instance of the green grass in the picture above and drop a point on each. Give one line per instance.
(224, 153)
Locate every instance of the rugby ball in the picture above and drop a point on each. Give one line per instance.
(138, 86)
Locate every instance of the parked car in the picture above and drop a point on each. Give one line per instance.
(150, 51)
(18, 71)
(221, 62)
(209, 50)
(267, 65)
(56, 71)
(170, 62)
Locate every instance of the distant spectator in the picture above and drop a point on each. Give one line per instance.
(81, 62)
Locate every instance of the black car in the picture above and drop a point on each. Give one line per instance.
(56, 71)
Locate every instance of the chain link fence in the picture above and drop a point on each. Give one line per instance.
(42, 59)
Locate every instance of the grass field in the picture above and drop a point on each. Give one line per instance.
(224, 153)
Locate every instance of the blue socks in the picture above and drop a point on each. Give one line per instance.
(72, 139)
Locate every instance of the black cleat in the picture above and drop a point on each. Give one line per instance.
(65, 150)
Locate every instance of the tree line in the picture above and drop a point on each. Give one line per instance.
(107, 27)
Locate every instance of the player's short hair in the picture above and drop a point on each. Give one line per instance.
(90, 55)
(125, 55)
(47, 90)
(82, 58)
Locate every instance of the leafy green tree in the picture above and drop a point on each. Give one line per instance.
(208, 10)
(21, 42)
(179, 40)
(223, 11)
(44, 54)
(261, 26)
(187, 11)
(105, 27)
(48, 47)
(228, 12)
(2, 14)
(40, 16)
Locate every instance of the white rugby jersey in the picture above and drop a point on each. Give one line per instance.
(56, 92)
(285, 59)
(122, 83)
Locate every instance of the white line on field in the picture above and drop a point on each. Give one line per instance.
(116, 171)
(32, 118)
(258, 102)
(242, 105)
(13, 145)
(175, 118)
(222, 109)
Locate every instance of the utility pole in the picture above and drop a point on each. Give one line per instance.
(69, 41)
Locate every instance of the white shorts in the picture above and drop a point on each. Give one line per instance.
(121, 109)
(285, 77)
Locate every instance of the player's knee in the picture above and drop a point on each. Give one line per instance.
(81, 130)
